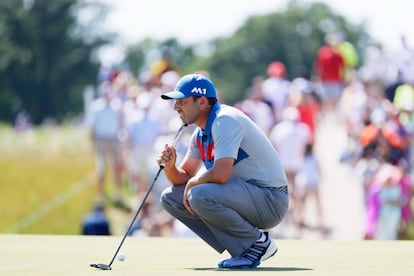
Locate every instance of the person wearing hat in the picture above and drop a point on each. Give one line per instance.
(241, 192)
(276, 88)
(96, 222)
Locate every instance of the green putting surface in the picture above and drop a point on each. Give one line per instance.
(72, 255)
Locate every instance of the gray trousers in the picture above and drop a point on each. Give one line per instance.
(229, 216)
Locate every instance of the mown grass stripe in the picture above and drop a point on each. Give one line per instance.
(51, 205)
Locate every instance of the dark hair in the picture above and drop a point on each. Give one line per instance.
(211, 101)
(309, 148)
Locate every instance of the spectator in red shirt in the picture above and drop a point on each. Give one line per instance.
(307, 102)
(329, 69)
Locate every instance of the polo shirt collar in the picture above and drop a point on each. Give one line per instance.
(211, 117)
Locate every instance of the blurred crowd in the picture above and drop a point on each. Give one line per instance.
(373, 100)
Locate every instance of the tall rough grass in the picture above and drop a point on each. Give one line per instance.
(36, 168)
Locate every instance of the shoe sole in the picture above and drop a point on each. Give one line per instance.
(253, 265)
(270, 252)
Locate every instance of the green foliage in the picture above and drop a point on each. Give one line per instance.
(142, 55)
(292, 36)
(46, 57)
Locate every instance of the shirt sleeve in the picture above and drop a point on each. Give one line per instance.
(193, 150)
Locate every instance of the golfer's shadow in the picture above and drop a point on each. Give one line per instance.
(253, 269)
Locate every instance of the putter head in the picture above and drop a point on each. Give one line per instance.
(101, 266)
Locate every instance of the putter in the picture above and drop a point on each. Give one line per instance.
(108, 266)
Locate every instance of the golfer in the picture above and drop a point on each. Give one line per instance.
(243, 190)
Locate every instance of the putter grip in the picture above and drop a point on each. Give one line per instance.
(176, 140)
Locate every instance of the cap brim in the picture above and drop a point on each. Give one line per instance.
(173, 95)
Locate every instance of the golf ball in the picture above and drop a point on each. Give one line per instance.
(121, 257)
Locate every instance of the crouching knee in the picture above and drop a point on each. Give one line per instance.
(166, 199)
(171, 198)
(199, 198)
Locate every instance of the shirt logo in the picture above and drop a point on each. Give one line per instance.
(198, 90)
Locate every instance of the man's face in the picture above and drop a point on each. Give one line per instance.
(188, 109)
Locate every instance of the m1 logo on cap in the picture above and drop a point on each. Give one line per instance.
(198, 90)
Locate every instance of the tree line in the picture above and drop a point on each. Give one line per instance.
(49, 52)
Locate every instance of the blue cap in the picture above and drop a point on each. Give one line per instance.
(192, 85)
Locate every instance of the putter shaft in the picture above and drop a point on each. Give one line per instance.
(108, 266)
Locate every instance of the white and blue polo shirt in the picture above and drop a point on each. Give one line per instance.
(230, 133)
